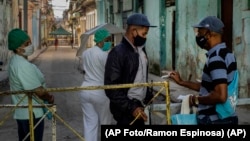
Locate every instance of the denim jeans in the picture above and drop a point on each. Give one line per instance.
(23, 129)
(230, 121)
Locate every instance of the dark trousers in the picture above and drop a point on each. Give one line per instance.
(126, 120)
(23, 129)
(230, 121)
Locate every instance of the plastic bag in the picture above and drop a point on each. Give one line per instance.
(187, 116)
(184, 119)
(49, 115)
(227, 109)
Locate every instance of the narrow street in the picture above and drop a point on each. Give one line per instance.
(59, 68)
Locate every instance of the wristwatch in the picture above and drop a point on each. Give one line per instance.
(196, 100)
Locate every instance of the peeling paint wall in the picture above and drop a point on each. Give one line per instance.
(5, 27)
(169, 39)
(189, 57)
(153, 37)
(241, 43)
(9, 19)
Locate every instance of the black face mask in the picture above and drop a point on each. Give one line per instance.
(201, 41)
(139, 41)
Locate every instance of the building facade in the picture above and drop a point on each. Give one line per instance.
(172, 43)
(35, 17)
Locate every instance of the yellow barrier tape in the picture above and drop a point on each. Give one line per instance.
(11, 111)
(86, 88)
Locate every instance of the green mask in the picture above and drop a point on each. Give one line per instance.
(106, 46)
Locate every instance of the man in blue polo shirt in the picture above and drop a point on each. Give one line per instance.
(219, 71)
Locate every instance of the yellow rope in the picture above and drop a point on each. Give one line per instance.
(85, 88)
(11, 111)
(147, 105)
(164, 84)
(135, 118)
(58, 117)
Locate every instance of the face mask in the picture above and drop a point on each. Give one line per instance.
(106, 46)
(201, 41)
(139, 41)
(29, 50)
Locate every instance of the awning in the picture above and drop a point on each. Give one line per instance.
(113, 29)
(60, 31)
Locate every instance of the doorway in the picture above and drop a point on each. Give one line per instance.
(226, 17)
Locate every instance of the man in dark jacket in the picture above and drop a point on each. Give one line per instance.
(126, 64)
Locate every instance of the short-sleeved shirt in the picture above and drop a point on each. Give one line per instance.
(219, 68)
(24, 75)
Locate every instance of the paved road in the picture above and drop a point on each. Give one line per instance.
(60, 70)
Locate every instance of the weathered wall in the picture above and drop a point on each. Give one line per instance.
(5, 27)
(100, 13)
(169, 39)
(153, 37)
(189, 57)
(241, 43)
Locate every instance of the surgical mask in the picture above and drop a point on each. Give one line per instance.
(29, 50)
(139, 41)
(106, 46)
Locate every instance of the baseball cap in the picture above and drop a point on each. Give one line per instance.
(138, 19)
(211, 23)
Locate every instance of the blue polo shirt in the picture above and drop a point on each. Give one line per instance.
(24, 75)
(219, 68)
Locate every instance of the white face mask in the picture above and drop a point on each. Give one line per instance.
(29, 50)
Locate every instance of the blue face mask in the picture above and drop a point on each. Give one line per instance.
(106, 46)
